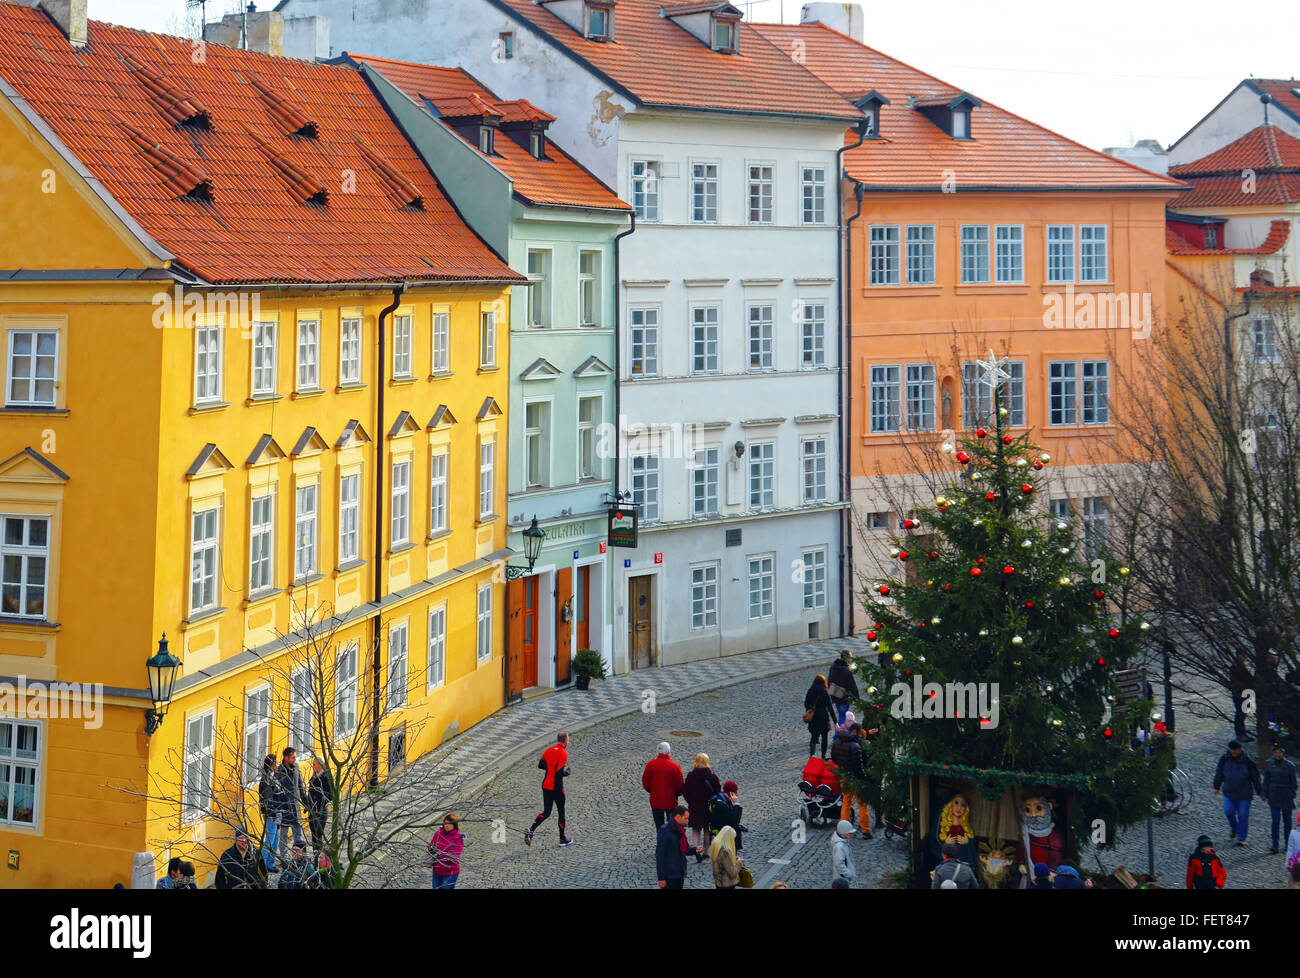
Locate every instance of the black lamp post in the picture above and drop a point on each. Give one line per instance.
(533, 538)
(163, 668)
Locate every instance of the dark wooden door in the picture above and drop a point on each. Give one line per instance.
(563, 629)
(515, 639)
(581, 613)
(639, 622)
(530, 624)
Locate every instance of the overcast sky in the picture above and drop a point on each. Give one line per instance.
(1104, 72)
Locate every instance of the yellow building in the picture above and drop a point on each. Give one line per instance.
(252, 367)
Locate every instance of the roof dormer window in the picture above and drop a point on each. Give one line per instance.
(961, 124)
(951, 113)
(870, 105)
(600, 21)
(724, 35)
(537, 145)
(486, 142)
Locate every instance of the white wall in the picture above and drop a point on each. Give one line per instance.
(1239, 114)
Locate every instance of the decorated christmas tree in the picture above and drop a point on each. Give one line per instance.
(999, 642)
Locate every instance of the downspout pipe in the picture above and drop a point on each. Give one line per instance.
(618, 381)
(381, 376)
(843, 342)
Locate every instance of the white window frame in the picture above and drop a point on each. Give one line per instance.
(645, 485)
(398, 663)
(590, 464)
(643, 349)
(1058, 247)
(1068, 395)
(885, 398)
(400, 522)
(761, 319)
(200, 759)
(350, 351)
(32, 372)
(487, 452)
(706, 469)
(704, 188)
(440, 356)
(977, 399)
(261, 543)
(265, 365)
(349, 519)
(976, 257)
(920, 396)
(645, 189)
(762, 600)
(1095, 511)
(403, 346)
(435, 673)
(814, 578)
(591, 295)
(706, 344)
(1009, 254)
(302, 710)
(813, 468)
(812, 194)
(345, 690)
(306, 523)
(1263, 339)
(540, 299)
(487, 339)
(25, 552)
(883, 255)
(762, 474)
(257, 732)
(484, 623)
(704, 596)
(760, 194)
(812, 334)
(307, 357)
(537, 440)
(209, 379)
(1094, 253)
(1094, 392)
(201, 547)
(920, 254)
(439, 476)
(27, 760)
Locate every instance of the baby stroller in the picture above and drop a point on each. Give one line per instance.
(819, 793)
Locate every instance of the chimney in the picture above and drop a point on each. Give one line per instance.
(70, 15)
(256, 31)
(844, 17)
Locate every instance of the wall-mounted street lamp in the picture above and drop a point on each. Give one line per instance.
(163, 668)
(533, 538)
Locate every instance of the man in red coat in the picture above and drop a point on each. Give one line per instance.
(663, 779)
(555, 762)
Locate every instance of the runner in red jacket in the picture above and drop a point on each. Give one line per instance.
(555, 762)
(663, 779)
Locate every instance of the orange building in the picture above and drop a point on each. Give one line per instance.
(979, 230)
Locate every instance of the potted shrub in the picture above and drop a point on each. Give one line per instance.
(587, 665)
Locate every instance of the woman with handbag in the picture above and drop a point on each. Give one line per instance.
(726, 864)
(818, 714)
(700, 785)
(841, 685)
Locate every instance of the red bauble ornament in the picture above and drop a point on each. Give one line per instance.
(871, 636)
(963, 458)
(908, 524)
(975, 572)
(1007, 439)
(902, 555)
(1008, 570)
(1098, 594)
(1038, 465)
(880, 624)
(1113, 633)
(1026, 488)
(990, 496)
(1101, 662)
(1029, 604)
(920, 624)
(947, 587)
(980, 432)
(1108, 733)
(979, 560)
(883, 589)
(933, 554)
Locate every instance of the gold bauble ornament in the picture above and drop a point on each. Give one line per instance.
(1017, 640)
(898, 656)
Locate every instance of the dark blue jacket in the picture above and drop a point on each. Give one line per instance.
(670, 861)
(1279, 783)
(1237, 776)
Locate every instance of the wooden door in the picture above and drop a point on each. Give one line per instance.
(563, 629)
(639, 622)
(530, 623)
(581, 611)
(515, 639)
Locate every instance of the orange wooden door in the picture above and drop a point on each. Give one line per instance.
(581, 608)
(563, 629)
(515, 639)
(529, 665)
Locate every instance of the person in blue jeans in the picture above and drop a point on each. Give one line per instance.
(1279, 792)
(1238, 777)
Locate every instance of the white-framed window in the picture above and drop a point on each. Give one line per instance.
(507, 44)
(762, 190)
(977, 397)
(645, 189)
(261, 543)
(886, 414)
(537, 444)
(264, 359)
(1096, 391)
(402, 345)
(25, 557)
(920, 254)
(20, 771)
(705, 467)
(1096, 517)
(704, 596)
(920, 396)
(199, 761)
(762, 578)
(33, 367)
(644, 353)
(645, 485)
(813, 453)
(487, 456)
(812, 194)
(1060, 252)
(349, 518)
(257, 732)
(487, 140)
(762, 474)
(205, 558)
(1263, 339)
(439, 465)
(1059, 508)
(350, 348)
(704, 193)
(436, 673)
(1093, 265)
(1009, 253)
(961, 124)
(539, 292)
(590, 294)
(441, 342)
(304, 531)
(600, 22)
(345, 691)
(207, 363)
(1071, 402)
(398, 647)
(1063, 392)
(308, 355)
(883, 260)
(484, 623)
(704, 339)
(400, 531)
(974, 253)
(724, 35)
(814, 579)
(487, 339)
(589, 419)
(812, 335)
(760, 336)
(302, 710)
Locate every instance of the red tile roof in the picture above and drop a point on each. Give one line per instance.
(1006, 151)
(1278, 233)
(657, 62)
(557, 180)
(1220, 178)
(255, 228)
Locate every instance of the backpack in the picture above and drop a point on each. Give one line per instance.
(943, 872)
(719, 811)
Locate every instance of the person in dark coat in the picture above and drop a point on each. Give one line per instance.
(1042, 877)
(841, 685)
(297, 870)
(725, 809)
(700, 785)
(846, 754)
(670, 850)
(1279, 791)
(1204, 870)
(1239, 779)
(320, 795)
(1240, 679)
(268, 807)
(239, 867)
(290, 800)
(1067, 878)
(818, 700)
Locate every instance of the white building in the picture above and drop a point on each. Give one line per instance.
(729, 312)
(1254, 102)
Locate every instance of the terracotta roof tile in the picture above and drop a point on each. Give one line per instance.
(1278, 234)
(1263, 149)
(254, 229)
(1005, 151)
(1232, 190)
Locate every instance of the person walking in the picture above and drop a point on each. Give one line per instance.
(662, 777)
(297, 871)
(846, 755)
(446, 846)
(291, 799)
(954, 868)
(818, 712)
(555, 762)
(237, 868)
(174, 875)
(670, 850)
(1240, 679)
(842, 866)
(1279, 791)
(700, 785)
(266, 806)
(725, 809)
(1204, 870)
(841, 685)
(726, 864)
(320, 795)
(1239, 779)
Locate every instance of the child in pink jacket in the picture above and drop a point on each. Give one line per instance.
(446, 846)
